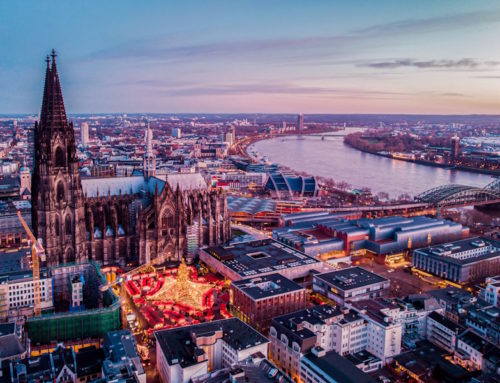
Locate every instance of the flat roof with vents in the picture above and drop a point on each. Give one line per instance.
(249, 259)
(350, 278)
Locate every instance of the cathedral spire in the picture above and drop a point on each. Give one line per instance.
(53, 112)
(48, 84)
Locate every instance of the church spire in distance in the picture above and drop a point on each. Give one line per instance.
(53, 114)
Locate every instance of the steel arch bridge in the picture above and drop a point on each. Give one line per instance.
(461, 195)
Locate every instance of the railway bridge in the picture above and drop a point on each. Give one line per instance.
(461, 195)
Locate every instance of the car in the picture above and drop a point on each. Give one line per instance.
(390, 270)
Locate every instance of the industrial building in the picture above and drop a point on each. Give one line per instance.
(389, 237)
(351, 284)
(187, 352)
(468, 260)
(257, 300)
(257, 259)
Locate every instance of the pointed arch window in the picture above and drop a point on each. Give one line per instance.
(167, 222)
(67, 225)
(56, 224)
(60, 191)
(60, 157)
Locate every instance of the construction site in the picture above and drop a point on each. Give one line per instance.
(97, 312)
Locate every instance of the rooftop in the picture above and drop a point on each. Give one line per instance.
(291, 324)
(14, 259)
(178, 344)
(258, 257)
(445, 322)
(338, 368)
(351, 278)
(267, 286)
(464, 251)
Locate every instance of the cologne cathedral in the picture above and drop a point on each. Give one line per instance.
(115, 220)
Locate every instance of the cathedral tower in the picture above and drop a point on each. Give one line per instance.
(57, 197)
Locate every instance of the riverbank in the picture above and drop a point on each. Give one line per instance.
(334, 160)
(428, 163)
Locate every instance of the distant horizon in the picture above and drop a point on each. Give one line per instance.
(6, 115)
(330, 57)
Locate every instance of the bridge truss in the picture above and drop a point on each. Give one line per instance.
(461, 195)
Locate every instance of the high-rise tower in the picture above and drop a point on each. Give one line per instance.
(300, 122)
(84, 134)
(149, 156)
(454, 149)
(57, 198)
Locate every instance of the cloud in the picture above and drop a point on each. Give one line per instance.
(435, 24)
(453, 94)
(492, 77)
(271, 88)
(172, 49)
(465, 63)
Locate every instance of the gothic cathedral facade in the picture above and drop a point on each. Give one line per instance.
(115, 220)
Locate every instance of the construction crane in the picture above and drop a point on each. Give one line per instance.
(37, 255)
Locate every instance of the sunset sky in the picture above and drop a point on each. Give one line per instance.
(254, 56)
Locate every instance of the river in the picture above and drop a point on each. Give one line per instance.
(331, 158)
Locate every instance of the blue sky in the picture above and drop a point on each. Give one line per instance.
(254, 56)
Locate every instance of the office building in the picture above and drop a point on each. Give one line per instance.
(455, 148)
(255, 369)
(17, 293)
(188, 352)
(177, 133)
(350, 284)
(384, 327)
(442, 331)
(468, 260)
(294, 335)
(84, 134)
(257, 300)
(476, 353)
(414, 310)
(258, 258)
(319, 366)
(491, 292)
(300, 122)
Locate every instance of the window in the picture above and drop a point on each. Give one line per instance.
(67, 225)
(60, 191)
(59, 157)
(57, 225)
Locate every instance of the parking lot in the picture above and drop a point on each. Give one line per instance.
(402, 283)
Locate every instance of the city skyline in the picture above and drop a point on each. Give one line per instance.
(423, 58)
